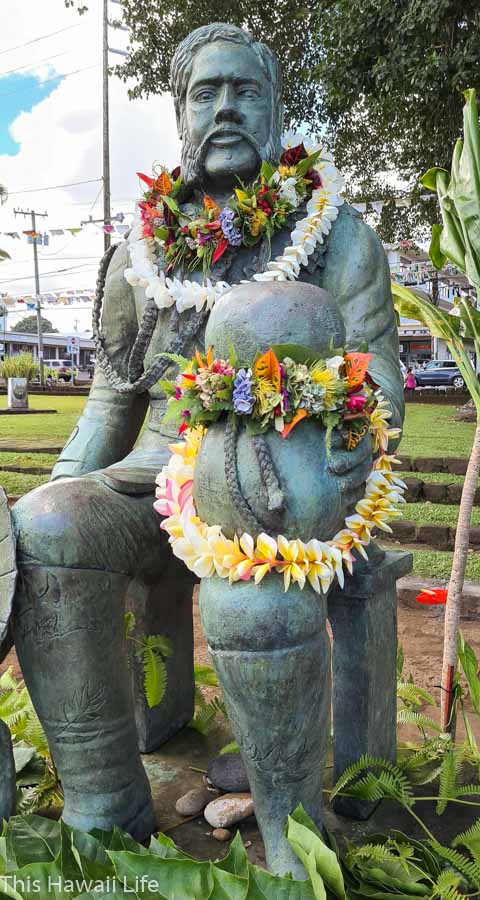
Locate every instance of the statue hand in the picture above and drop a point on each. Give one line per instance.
(351, 466)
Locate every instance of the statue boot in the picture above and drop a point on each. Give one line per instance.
(271, 652)
(71, 647)
(80, 546)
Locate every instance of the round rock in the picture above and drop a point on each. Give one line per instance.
(193, 801)
(221, 834)
(229, 809)
(228, 773)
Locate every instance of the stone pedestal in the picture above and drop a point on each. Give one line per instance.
(164, 608)
(363, 617)
(17, 393)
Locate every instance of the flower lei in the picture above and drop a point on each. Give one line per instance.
(206, 551)
(305, 174)
(284, 386)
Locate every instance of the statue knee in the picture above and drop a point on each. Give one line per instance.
(53, 524)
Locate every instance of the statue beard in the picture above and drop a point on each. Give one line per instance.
(193, 158)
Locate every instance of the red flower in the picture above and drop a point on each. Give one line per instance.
(314, 179)
(264, 204)
(176, 173)
(293, 156)
(436, 597)
(356, 403)
(220, 250)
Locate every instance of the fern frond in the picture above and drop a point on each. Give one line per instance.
(470, 870)
(446, 887)
(154, 676)
(181, 361)
(159, 644)
(409, 692)
(372, 852)
(205, 676)
(205, 716)
(467, 790)
(410, 717)
(449, 774)
(34, 734)
(366, 764)
(129, 623)
(7, 681)
(471, 840)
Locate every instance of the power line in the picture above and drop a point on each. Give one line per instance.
(47, 80)
(53, 272)
(33, 65)
(43, 37)
(55, 187)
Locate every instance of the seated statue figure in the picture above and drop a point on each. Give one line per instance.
(89, 540)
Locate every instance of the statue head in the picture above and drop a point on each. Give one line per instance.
(227, 90)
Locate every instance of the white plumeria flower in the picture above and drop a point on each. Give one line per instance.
(334, 364)
(287, 191)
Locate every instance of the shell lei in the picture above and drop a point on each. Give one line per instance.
(322, 210)
(206, 551)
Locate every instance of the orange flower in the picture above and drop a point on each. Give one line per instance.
(162, 184)
(267, 367)
(210, 204)
(356, 365)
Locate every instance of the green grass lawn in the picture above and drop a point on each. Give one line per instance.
(430, 430)
(443, 477)
(438, 563)
(14, 483)
(27, 459)
(58, 425)
(435, 514)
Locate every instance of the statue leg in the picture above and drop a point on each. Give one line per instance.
(363, 617)
(79, 543)
(272, 656)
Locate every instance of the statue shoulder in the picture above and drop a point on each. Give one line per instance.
(355, 247)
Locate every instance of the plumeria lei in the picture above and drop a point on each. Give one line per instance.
(198, 238)
(282, 387)
(206, 551)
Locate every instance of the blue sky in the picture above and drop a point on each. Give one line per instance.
(19, 93)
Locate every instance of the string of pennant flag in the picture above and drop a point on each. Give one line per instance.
(43, 237)
(377, 205)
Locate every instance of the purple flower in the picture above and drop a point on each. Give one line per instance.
(232, 234)
(242, 393)
(204, 238)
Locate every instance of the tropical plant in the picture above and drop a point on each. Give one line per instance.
(206, 711)
(21, 366)
(153, 650)
(37, 780)
(37, 853)
(457, 240)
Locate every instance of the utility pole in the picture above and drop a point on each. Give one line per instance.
(106, 128)
(33, 214)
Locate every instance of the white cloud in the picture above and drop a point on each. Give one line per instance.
(61, 139)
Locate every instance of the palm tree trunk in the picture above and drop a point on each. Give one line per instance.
(455, 587)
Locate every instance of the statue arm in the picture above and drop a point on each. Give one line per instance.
(357, 274)
(110, 422)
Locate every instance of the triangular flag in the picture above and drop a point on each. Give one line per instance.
(377, 206)
(360, 207)
(74, 230)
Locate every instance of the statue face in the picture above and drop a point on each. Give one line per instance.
(228, 110)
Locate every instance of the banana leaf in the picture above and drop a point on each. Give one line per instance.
(459, 197)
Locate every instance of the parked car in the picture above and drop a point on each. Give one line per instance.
(64, 368)
(440, 371)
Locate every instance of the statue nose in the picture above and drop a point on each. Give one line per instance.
(227, 110)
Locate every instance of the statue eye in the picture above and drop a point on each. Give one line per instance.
(248, 93)
(205, 95)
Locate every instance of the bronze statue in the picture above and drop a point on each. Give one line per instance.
(89, 542)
